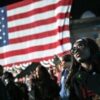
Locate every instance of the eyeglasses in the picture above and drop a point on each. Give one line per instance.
(79, 46)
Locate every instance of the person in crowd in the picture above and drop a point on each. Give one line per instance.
(57, 68)
(52, 71)
(65, 63)
(44, 87)
(23, 90)
(31, 92)
(3, 93)
(84, 77)
(13, 90)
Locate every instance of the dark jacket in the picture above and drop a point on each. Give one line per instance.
(85, 84)
(3, 92)
(46, 90)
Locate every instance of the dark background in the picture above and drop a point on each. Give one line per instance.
(78, 6)
(7, 2)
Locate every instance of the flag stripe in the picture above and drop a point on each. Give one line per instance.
(35, 48)
(35, 42)
(37, 30)
(9, 64)
(36, 11)
(37, 17)
(36, 36)
(31, 3)
(35, 56)
(36, 4)
(37, 24)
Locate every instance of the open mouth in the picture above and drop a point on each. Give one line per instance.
(77, 54)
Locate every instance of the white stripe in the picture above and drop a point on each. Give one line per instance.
(36, 17)
(36, 30)
(63, 9)
(35, 55)
(35, 42)
(31, 19)
(44, 61)
(51, 62)
(39, 29)
(31, 6)
(45, 65)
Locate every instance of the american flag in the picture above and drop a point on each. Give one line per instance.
(34, 30)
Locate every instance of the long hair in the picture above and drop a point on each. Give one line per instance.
(94, 48)
(94, 58)
(43, 73)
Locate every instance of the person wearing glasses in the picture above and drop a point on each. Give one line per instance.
(84, 76)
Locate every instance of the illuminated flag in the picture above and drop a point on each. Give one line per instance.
(34, 30)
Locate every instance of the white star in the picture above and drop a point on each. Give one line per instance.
(0, 30)
(0, 37)
(4, 41)
(3, 33)
(3, 26)
(2, 11)
(2, 18)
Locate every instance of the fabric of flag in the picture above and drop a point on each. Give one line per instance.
(34, 30)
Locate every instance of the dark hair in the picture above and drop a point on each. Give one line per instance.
(8, 75)
(91, 44)
(43, 72)
(66, 58)
(56, 60)
(94, 59)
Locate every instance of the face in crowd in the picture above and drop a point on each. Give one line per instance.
(81, 51)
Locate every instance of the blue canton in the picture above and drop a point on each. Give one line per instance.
(3, 27)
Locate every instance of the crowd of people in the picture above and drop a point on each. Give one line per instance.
(75, 77)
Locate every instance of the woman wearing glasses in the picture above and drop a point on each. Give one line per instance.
(84, 77)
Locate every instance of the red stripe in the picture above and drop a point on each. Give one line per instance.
(27, 2)
(31, 25)
(34, 12)
(38, 36)
(36, 59)
(34, 49)
(37, 23)
(21, 3)
(33, 36)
